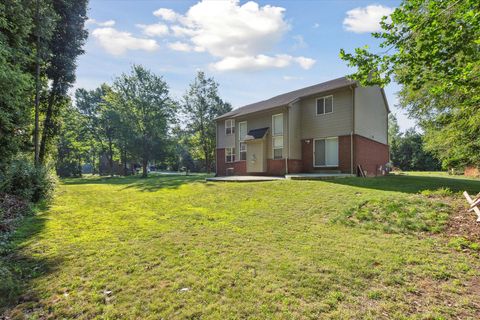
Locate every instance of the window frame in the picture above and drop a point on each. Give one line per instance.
(316, 105)
(231, 155)
(232, 127)
(326, 165)
(278, 135)
(242, 141)
(242, 151)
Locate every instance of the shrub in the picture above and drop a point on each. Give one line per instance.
(27, 181)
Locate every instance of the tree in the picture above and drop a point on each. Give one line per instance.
(201, 105)
(432, 50)
(65, 46)
(410, 153)
(393, 135)
(145, 110)
(100, 118)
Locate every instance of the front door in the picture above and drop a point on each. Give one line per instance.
(256, 156)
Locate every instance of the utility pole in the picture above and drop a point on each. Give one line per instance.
(37, 82)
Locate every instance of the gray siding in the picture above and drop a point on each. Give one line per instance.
(294, 132)
(262, 120)
(337, 123)
(224, 141)
(371, 114)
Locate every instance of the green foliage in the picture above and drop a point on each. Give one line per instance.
(201, 105)
(65, 45)
(407, 150)
(145, 110)
(440, 192)
(397, 216)
(432, 49)
(461, 243)
(27, 181)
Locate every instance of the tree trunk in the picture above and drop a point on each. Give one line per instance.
(37, 85)
(110, 156)
(47, 129)
(144, 167)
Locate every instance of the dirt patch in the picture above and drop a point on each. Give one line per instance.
(462, 223)
(11, 208)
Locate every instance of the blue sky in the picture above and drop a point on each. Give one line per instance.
(254, 50)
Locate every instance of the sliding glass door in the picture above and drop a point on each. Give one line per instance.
(325, 152)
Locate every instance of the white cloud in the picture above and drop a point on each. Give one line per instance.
(154, 30)
(288, 78)
(108, 23)
(180, 46)
(238, 35)
(165, 14)
(316, 25)
(299, 42)
(118, 42)
(260, 62)
(367, 19)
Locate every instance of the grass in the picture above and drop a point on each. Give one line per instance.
(177, 247)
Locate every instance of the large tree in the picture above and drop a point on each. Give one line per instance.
(201, 105)
(65, 46)
(432, 49)
(100, 119)
(146, 111)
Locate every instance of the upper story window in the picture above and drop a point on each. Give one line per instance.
(277, 136)
(325, 105)
(242, 130)
(229, 126)
(277, 123)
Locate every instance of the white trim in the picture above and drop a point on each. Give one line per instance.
(239, 131)
(316, 105)
(232, 127)
(278, 135)
(232, 154)
(325, 166)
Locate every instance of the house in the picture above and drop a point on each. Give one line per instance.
(332, 126)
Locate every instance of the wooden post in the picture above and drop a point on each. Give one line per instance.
(473, 204)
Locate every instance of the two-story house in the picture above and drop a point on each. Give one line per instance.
(336, 125)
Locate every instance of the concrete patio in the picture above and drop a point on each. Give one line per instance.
(244, 178)
(296, 176)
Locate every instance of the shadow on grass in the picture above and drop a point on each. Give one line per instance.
(412, 184)
(18, 270)
(151, 183)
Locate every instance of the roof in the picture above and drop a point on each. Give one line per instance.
(289, 97)
(256, 133)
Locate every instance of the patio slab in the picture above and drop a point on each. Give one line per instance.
(244, 178)
(317, 176)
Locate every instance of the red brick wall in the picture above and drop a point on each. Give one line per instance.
(239, 168)
(344, 153)
(370, 154)
(277, 167)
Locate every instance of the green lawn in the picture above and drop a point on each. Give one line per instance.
(176, 247)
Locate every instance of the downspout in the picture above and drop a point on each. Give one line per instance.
(216, 148)
(288, 139)
(353, 130)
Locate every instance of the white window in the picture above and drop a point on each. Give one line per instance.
(243, 151)
(229, 127)
(325, 105)
(229, 154)
(326, 152)
(277, 147)
(277, 136)
(242, 130)
(277, 123)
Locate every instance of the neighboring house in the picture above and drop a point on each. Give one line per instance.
(336, 126)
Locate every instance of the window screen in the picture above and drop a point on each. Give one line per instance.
(325, 105)
(277, 124)
(326, 152)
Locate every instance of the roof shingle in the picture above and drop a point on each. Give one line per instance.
(286, 98)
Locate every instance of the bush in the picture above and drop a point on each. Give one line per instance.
(28, 182)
